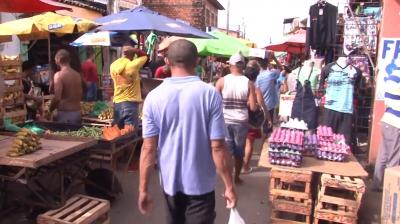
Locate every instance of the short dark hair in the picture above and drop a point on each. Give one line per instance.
(263, 63)
(63, 56)
(251, 72)
(90, 52)
(182, 53)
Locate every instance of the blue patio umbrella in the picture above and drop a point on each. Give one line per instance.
(103, 38)
(142, 19)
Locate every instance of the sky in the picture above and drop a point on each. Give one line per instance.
(264, 18)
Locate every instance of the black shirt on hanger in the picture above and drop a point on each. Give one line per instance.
(322, 31)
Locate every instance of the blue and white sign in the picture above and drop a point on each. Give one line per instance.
(388, 63)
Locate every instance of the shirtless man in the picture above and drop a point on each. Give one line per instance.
(67, 91)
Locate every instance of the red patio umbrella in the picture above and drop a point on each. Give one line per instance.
(293, 43)
(29, 6)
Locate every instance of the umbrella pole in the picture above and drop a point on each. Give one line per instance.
(49, 48)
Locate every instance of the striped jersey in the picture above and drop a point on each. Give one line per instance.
(235, 95)
(392, 99)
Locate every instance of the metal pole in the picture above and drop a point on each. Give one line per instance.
(227, 16)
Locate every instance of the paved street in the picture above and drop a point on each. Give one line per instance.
(252, 206)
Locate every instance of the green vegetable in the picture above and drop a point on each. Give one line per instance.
(85, 131)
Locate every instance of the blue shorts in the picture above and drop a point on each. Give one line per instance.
(236, 138)
(126, 113)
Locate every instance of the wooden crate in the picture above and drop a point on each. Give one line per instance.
(17, 116)
(290, 195)
(294, 185)
(339, 198)
(80, 209)
(291, 217)
(329, 217)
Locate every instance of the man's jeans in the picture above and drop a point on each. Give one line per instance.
(388, 155)
(91, 92)
(126, 113)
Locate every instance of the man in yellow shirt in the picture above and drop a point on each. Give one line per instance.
(127, 94)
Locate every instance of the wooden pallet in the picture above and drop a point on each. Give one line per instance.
(80, 209)
(290, 195)
(323, 216)
(294, 185)
(339, 199)
(283, 217)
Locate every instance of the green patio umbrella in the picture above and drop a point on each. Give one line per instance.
(224, 46)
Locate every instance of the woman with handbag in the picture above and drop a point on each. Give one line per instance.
(256, 118)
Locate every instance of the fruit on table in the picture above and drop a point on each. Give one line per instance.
(85, 131)
(110, 133)
(12, 96)
(107, 114)
(24, 143)
(9, 57)
(87, 107)
(128, 128)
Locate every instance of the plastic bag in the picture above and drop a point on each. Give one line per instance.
(235, 217)
(10, 126)
(98, 108)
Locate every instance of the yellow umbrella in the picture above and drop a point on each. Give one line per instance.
(39, 26)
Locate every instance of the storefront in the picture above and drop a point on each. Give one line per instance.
(388, 53)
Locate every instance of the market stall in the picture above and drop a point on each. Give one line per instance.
(56, 160)
(313, 174)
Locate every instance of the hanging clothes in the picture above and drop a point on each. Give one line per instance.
(322, 25)
(360, 33)
(304, 107)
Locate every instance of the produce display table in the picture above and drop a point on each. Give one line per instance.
(105, 151)
(52, 149)
(350, 168)
(57, 161)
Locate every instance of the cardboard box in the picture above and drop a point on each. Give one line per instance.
(391, 197)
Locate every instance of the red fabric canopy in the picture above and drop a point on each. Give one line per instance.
(293, 43)
(29, 6)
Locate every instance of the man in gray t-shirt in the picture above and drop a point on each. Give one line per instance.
(183, 125)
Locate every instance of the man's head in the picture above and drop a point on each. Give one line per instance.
(263, 63)
(62, 57)
(237, 64)
(128, 51)
(182, 54)
(90, 53)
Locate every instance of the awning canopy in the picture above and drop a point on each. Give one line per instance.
(29, 6)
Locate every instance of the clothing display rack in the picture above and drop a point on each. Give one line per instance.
(363, 108)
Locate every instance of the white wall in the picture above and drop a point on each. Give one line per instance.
(9, 48)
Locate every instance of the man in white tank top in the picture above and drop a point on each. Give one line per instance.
(238, 94)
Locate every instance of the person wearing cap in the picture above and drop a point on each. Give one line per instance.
(127, 93)
(183, 126)
(238, 93)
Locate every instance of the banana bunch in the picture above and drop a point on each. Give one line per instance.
(11, 70)
(9, 58)
(12, 96)
(25, 142)
(87, 108)
(107, 114)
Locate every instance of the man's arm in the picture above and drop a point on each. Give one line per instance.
(223, 164)
(252, 97)
(220, 85)
(58, 89)
(147, 161)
